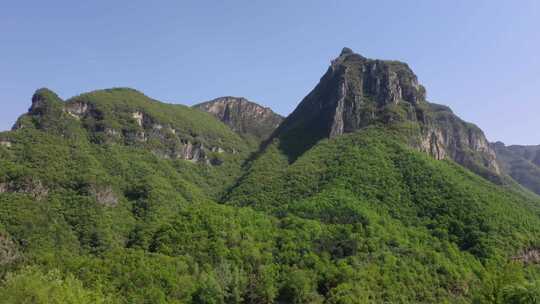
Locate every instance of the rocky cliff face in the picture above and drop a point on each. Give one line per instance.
(522, 163)
(357, 92)
(243, 116)
(445, 135)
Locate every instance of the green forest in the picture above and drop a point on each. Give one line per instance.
(89, 216)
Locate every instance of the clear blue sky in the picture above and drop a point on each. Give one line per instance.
(482, 58)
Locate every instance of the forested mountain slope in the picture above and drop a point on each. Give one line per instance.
(401, 218)
(362, 195)
(349, 152)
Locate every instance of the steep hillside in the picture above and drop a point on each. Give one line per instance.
(97, 205)
(128, 117)
(110, 223)
(126, 122)
(243, 116)
(522, 163)
(402, 219)
(351, 158)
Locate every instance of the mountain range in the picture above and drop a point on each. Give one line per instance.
(366, 193)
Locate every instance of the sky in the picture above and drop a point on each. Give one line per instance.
(482, 58)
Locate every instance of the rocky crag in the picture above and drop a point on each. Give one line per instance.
(243, 116)
(357, 92)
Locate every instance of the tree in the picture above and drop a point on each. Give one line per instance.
(31, 285)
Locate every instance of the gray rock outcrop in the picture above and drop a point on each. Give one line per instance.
(357, 92)
(26, 185)
(243, 116)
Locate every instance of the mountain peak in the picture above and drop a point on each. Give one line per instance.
(43, 97)
(243, 116)
(346, 51)
(357, 92)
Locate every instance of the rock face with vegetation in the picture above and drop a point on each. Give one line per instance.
(113, 197)
(126, 116)
(522, 163)
(357, 92)
(243, 116)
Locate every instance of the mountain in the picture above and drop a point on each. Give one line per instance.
(243, 116)
(362, 195)
(99, 195)
(395, 217)
(123, 118)
(129, 117)
(522, 163)
(357, 92)
(352, 158)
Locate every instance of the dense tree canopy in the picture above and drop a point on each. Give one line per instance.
(355, 219)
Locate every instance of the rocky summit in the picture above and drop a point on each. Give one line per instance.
(243, 116)
(357, 92)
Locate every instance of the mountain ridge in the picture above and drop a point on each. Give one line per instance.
(368, 194)
(127, 116)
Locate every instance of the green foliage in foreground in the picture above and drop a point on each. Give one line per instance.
(31, 285)
(439, 224)
(361, 218)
